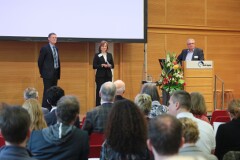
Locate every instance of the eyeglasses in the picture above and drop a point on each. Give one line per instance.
(190, 43)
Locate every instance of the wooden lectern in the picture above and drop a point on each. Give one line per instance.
(199, 77)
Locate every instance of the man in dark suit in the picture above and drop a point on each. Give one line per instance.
(49, 66)
(97, 118)
(192, 53)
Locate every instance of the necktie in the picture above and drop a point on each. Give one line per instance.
(55, 57)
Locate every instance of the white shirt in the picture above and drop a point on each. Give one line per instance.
(206, 140)
(189, 56)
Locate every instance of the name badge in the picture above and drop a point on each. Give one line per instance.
(195, 56)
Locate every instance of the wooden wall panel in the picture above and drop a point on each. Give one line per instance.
(185, 12)
(156, 14)
(223, 13)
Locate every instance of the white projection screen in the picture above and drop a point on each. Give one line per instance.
(74, 20)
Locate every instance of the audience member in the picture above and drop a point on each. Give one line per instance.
(120, 89)
(227, 137)
(165, 138)
(199, 109)
(144, 102)
(180, 105)
(191, 135)
(164, 135)
(157, 108)
(126, 133)
(62, 140)
(34, 109)
(31, 92)
(96, 119)
(15, 128)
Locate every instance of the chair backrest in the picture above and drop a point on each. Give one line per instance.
(222, 119)
(82, 122)
(2, 141)
(218, 113)
(96, 140)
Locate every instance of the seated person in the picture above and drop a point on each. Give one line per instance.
(199, 109)
(227, 137)
(15, 128)
(33, 93)
(97, 118)
(152, 91)
(34, 109)
(191, 135)
(144, 102)
(62, 140)
(120, 86)
(132, 133)
(165, 138)
(53, 94)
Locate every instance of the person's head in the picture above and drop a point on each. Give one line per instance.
(103, 47)
(190, 130)
(15, 124)
(191, 44)
(234, 108)
(68, 108)
(107, 92)
(30, 92)
(198, 104)
(126, 123)
(164, 135)
(151, 89)
(144, 102)
(120, 86)
(54, 94)
(34, 109)
(179, 101)
(52, 38)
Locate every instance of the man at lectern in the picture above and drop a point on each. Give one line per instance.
(192, 53)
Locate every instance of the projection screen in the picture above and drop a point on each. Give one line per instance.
(74, 20)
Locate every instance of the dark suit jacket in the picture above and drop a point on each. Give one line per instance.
(97, 118)
(101, 71)
(227, 138)
(197, 55)
(46, 63)
(51, 119)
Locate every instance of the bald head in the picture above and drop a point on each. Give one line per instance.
(120, 86)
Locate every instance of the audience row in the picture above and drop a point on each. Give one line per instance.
(142, 129)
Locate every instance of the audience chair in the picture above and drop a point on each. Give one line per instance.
(222, 119)
(96, 140)
(2, 141)
(218, 113)
(82, 122)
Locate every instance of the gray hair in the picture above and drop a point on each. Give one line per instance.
(108, 91)
(30, 92)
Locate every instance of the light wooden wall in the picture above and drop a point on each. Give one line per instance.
(215, 25)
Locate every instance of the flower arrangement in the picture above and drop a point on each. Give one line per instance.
(171, 78)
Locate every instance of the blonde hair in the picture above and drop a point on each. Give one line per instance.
(234, 108)
(144, 102)
(190, 130)
(35, 111)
